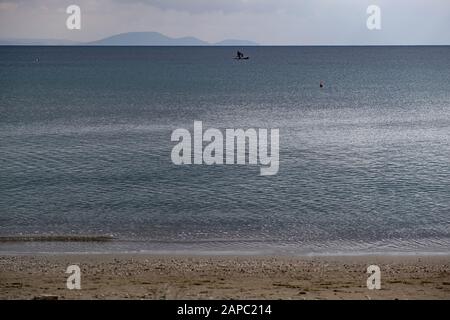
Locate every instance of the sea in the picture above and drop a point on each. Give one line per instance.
(85, 150)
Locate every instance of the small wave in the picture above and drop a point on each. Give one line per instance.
(56, 238)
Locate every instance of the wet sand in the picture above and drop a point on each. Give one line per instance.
(113, 276)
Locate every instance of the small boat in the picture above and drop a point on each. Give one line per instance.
(240, 56)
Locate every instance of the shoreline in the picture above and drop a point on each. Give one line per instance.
(156, 276)
(92, 244)
(230, 254)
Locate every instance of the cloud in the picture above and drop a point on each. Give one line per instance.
(224, 6)
(5, 6)
(286, 22)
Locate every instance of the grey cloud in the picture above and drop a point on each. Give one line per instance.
(225, 6)
(263, 21)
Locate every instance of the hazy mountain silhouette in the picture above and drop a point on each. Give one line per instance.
(158, 39)
(147, 39)
(131, 39)
(38, 42)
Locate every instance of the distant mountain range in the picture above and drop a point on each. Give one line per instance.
(38, 42)
(131, 39)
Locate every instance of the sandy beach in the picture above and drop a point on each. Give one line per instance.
(223, 277)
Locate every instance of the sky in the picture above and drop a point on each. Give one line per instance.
(268, 22)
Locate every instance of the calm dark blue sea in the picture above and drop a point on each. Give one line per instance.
(364, 162)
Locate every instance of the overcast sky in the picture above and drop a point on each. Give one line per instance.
(278, 22)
